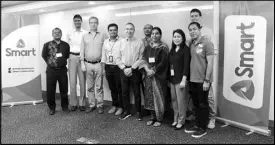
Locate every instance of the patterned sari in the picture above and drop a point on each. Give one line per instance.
(155, 85)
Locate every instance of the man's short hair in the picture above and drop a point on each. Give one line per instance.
(129, 23)
(195, 23)
(195, 10)
(112, 25)
(149, 25)
(77, 16)
(57, 29)
(93, 17)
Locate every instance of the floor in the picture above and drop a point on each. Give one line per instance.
(29, 124)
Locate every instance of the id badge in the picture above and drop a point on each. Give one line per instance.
(58, 54)
(172, 72)
(151, 59)
(110, 58)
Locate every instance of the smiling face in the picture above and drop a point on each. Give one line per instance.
(93, 23)
(57, 34)
(194, 31)
(77, 22)
(147, 30)
(195, 17)
(113, 31)
(177, 38)
(155, 36)
(129, 30)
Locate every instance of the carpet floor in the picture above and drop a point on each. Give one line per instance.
(32, 124)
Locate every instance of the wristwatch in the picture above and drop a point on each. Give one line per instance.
(206, 80)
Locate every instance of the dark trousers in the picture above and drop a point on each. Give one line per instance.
(113, 78)
(133, 81)
(201, 105)
(52, 77)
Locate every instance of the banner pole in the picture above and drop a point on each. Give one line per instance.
(246, 127)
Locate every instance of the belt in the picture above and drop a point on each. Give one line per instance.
(92, 62)
(128, 66)
(73, 53)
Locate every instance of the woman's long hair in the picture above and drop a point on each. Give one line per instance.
(183, 43)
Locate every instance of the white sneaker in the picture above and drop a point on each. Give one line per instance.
(211, 124)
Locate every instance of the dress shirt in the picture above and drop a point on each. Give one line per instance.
(91, 46)
(110, 48)
(130, 53)
(50, 51)
(74, 39)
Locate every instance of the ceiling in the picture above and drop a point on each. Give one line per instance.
(38, 7)
(5, 4)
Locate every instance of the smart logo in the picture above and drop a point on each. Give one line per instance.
(248, 93)
(244, 60)
(20, 44)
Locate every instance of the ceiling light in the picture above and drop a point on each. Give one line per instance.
(163, 11)
(91, 3)
(41, 10)
(34, 5)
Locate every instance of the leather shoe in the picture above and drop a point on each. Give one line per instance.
(73, 108)
(139, 117)
(100, 110)
(52, 111)
(90, 109)
(65, 110)
(81, 108)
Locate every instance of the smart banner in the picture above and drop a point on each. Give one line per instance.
(21, 79)
(246, 72)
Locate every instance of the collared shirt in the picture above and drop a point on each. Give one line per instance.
(110, 50)
(146, 41)
(91, 46)
(56, 55)
(198, 65)
(74, 39)
(130, 53)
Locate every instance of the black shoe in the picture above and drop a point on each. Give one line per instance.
(139, 117)
(192, 129)
(199, 133)
(100, 110)
(90, 109)
(73, 108)
(52, 111)
(65, 110)
(124, 116)
(82, 108)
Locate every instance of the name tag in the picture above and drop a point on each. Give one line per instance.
(58, 54)
(110, 58)
(151, 59)
(172, 72)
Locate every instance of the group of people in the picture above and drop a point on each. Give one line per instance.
(141, 64)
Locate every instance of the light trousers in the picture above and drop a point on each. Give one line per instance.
(94, 82)
(74, 73)
(179, 98)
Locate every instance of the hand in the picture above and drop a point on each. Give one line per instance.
(128, 72)
(150, 73)
(83, 67)
(183, 83)
(205, 86)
